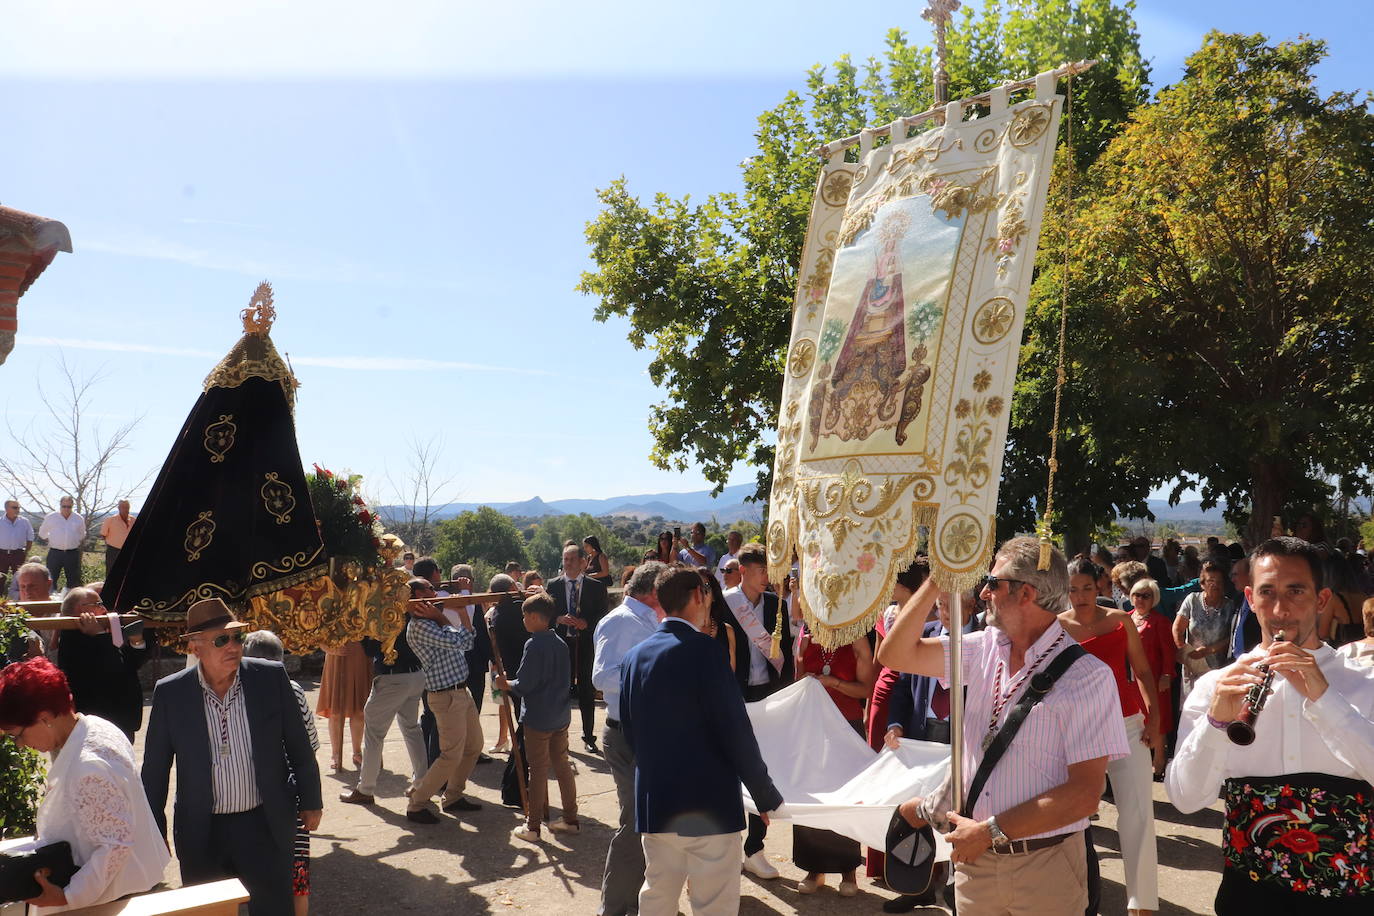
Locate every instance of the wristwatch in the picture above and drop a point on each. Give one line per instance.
(999, 839)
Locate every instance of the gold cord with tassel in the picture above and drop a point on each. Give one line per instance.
(1044, 528)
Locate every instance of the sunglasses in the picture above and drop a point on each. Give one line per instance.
(223, 639)
(991, 582)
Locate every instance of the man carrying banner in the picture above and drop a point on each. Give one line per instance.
(1006, 839)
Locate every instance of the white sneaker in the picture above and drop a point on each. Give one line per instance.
(524, 833)
(759, 866)
(562, 826)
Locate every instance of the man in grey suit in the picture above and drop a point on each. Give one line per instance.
(232, 724)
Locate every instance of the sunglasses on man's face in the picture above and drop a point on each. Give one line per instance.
(991, 582)
(222, 640)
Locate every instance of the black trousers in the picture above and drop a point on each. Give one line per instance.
(1239, 896)
(428, 730)
(582, 653)
(110, 554)
(68, 561)
(757, 830)
(242, 846)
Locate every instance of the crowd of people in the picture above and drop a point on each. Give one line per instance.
(1140, 665)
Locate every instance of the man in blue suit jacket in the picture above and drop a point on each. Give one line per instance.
(231, 724)
(682, 713)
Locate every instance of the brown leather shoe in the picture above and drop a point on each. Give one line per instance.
(354, 797)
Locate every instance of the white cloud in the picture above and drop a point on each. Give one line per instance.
(428, 39)
(136, 246)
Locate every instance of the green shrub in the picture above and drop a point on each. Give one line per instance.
(21, 770)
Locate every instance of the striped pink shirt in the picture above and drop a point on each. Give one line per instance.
(1079, 720)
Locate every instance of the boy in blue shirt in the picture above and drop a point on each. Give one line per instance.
(542, 683)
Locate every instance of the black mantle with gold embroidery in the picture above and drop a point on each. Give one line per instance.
(229, 515)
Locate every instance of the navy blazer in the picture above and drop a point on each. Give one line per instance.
(591, 606)
(911, 695)
(682, 714)
(177, 729)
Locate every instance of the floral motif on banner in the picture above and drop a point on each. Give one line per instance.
(219, 437)
(199, 535)
(277, 498)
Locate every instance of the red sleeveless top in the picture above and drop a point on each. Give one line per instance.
(844, 666)
(1110, 647)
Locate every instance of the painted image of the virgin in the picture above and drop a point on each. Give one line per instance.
(872, 382)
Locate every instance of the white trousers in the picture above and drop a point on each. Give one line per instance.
(1133, 793)
(710, 863)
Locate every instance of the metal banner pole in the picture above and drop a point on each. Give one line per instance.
(938, 13)
(956, 697)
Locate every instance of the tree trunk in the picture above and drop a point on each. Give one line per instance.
(1077, 535)
(1269, 480)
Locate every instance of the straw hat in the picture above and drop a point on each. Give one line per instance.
(211, 614)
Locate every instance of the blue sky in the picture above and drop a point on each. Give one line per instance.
(414, 178)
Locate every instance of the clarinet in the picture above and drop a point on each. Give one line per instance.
(1242, 731)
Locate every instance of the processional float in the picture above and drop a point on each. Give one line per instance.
(906, 332)
(233, 515)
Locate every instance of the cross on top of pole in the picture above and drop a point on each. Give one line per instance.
(938, 13)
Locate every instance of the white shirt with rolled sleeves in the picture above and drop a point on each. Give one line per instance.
(1079, 720)
(1333, 734)
(63, 533)
(615, 635)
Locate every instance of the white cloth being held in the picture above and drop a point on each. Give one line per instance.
(95, 802)
(830, 777)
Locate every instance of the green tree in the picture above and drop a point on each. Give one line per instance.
(1224, 243)
(546, 545)
(486, 535)
(707, 287)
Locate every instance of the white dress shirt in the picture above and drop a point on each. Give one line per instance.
(63, 533)
(1333, 735)
(1079, 720)
(617, 633)
(95, 802)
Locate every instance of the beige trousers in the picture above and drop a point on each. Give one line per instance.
(460, 741)
(710, 863)
(1047, 882)
(544, 750)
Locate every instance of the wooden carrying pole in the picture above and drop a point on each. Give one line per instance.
(937, 112)
(508, 719)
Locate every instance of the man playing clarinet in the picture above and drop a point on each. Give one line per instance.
(1299, 805)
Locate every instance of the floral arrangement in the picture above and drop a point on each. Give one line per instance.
(347, 526)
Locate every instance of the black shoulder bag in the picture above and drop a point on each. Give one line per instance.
(910, 861)
(1040, 685)
(17, 868)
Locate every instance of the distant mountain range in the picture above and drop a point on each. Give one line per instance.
(727, 508)
(1185, 511)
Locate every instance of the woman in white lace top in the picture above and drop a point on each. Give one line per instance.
(94, 798)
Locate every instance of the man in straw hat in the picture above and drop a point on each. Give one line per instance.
(232, 724)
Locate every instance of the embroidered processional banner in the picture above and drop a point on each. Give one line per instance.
(905, 337)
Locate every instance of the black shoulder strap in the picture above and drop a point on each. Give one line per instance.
(1038, 689)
